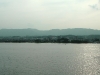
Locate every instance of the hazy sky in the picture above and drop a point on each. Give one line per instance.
(50, 14)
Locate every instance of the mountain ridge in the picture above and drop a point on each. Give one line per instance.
(56, 32)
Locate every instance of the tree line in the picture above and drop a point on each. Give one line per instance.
(49, 39)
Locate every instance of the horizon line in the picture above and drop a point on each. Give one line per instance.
(49, 29)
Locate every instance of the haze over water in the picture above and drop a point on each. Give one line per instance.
(49, 59)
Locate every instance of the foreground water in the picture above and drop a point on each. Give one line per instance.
(49, 59)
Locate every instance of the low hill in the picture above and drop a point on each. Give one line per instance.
(56, 32)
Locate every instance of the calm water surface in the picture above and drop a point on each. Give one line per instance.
(49, 59)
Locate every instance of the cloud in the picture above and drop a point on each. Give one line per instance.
(96, 6)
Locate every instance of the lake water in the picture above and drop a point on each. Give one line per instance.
(49, 59)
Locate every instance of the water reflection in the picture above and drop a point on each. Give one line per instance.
(90, 61)
(49, 59)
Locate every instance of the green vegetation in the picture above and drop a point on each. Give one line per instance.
(52, 39)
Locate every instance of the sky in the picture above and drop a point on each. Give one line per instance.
(49, 14)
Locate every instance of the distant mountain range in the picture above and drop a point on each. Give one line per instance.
(56, 32)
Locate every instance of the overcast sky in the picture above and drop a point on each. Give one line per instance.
(49, 14)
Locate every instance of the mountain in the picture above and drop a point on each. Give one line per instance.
(35, 32)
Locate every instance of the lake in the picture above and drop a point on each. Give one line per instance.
(49, 59)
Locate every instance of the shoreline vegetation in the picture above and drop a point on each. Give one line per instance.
(51, 39)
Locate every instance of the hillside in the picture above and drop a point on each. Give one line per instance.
(35, 32)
